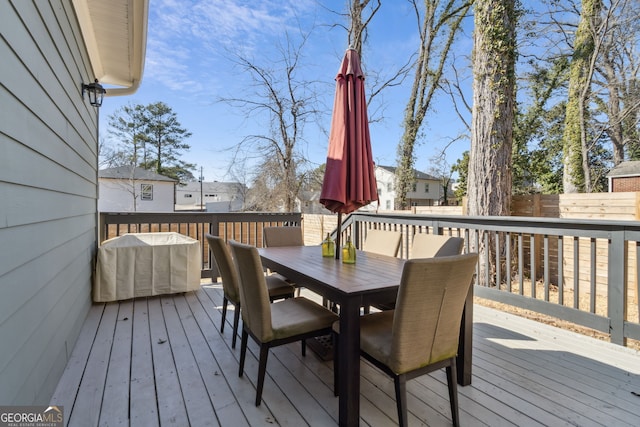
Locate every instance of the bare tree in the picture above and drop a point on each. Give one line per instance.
(620, 67)
(438, 26)
(359, 15)
(287, 102)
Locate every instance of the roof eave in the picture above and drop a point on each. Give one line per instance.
(115, 60)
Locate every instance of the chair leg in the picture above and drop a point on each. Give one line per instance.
(303, 345)
(236, 321)
(225, 301)
(401, 399)
(262, 369)
(243, 350)
(452, 381)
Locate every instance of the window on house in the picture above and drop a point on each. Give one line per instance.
(414, 188)
(426, 187)
(389, 187)
(388, 205)
(379, 191)
(146, 191)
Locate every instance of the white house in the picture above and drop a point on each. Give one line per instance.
(131, 189)
(427, 189)
(49, 174)
(211, 196)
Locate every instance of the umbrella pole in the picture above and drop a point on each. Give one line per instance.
(338, 247)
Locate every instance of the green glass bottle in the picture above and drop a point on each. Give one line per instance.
(349, 252)
(328, 247)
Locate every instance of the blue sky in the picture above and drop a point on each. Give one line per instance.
(188, 67)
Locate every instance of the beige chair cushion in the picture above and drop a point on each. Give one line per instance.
(433, 245)
(282, 236)
(254, 295)
(278, 286)
(223, 260)
(382, 242)
(278, 320)
(295, 316)
(424, 328)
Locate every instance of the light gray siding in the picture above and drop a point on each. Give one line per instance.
(48, 182)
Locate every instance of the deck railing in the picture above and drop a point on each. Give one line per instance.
(242, 227)
(582, 271)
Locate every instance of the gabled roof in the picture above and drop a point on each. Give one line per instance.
(115, 34)
(129, 172)
(419, 175)
(630, 168)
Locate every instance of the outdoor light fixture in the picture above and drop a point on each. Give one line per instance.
(95, 91)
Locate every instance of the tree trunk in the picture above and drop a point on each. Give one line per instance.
(574, 138)
(489, 176)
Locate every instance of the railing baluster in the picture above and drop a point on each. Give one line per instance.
(532, 269)
(576, 272)
(497, 261)
(508, 260)
(521, 263)
(592, 277)
(546, 266)
(560, 270)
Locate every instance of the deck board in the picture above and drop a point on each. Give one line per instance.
(115, 402)
(163, 361)
(143, 408)
(171, 405)
(86, 409)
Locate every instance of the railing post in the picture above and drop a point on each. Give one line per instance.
(617, 286)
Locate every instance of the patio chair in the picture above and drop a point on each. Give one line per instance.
(283, 236)
(271, 325)
(382, 242)
(421, 334)
(276, 287)
(429, 246)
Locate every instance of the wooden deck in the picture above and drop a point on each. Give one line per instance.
(162, 361)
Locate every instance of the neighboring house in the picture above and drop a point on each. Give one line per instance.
(625, 177)
(211, 196)
(427, 189)
(309, 202)
(131, 189)
(49, 175)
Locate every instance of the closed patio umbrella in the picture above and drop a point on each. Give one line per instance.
(349, 178)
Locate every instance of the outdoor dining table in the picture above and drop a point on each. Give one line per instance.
(372, 279)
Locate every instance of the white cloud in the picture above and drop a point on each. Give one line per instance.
(187, 38)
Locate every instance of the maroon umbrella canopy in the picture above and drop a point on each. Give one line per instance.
(349, 179)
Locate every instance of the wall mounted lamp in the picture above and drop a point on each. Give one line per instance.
(95, 91)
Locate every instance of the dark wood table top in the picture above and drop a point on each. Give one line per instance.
(370, 275)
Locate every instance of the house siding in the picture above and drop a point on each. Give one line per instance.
(48, 189)
(117, 195)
